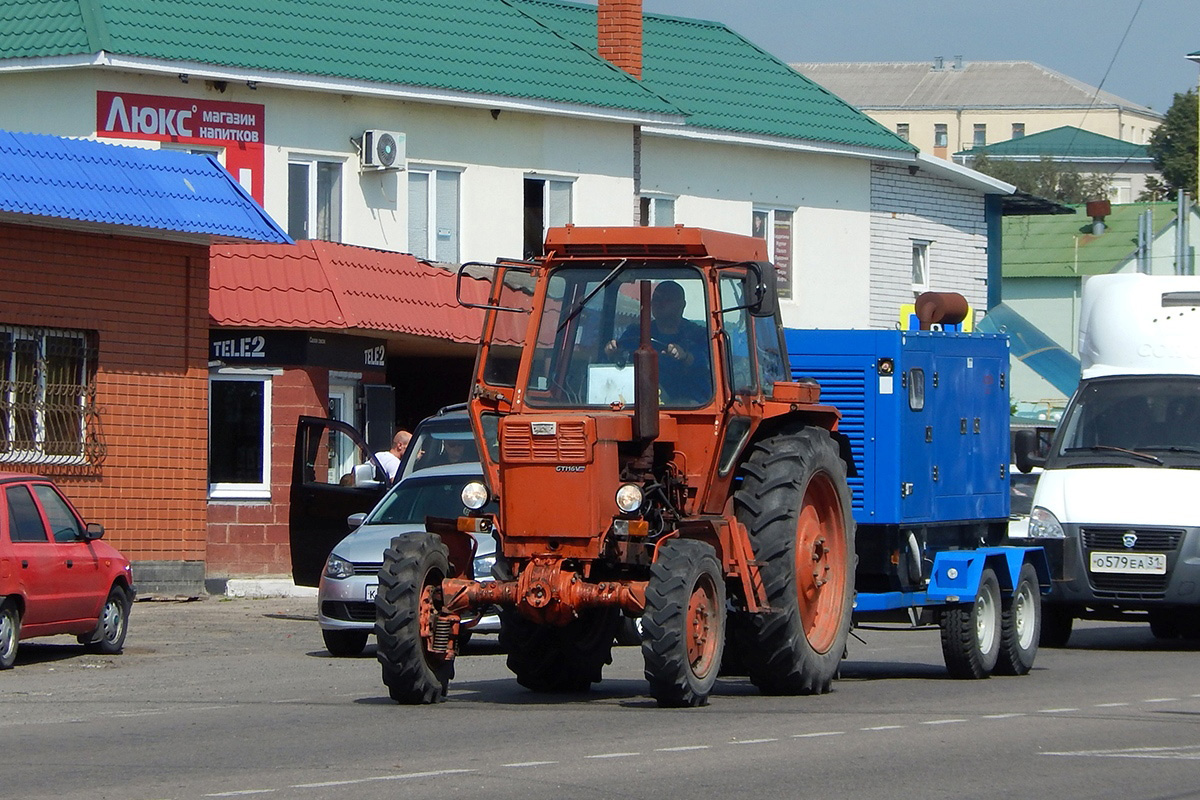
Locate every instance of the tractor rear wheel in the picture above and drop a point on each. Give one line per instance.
(410, 585)
(546, 658)
(795, 503)
(684, 623)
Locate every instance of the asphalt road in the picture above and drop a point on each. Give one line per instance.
(239, 699)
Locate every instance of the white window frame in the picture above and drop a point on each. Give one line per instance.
(785, 289)
(566, 181)
(943, 133)
(433, 224)
(249, 490)
(337, 203)
(979, 135)
(903, 130)
(920, 249)
(654, 205)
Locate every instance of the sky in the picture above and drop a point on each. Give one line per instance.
(1085, 39)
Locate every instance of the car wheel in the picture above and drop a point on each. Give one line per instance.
(343, 644)
(109, 636)
(10, 633)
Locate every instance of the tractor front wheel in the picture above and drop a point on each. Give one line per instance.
(546, 658)
(410, 586)
(795, 503)
(684, 623)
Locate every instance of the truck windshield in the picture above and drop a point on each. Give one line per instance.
(589, 330)
(1146, 420)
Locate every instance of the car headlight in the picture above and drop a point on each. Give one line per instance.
(339, 568)
(474, 495)
(1044, 525)
(483, 566)
(629, 498)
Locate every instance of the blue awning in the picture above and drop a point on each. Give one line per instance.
(1033, 348)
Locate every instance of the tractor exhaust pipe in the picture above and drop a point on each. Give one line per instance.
(645, 377)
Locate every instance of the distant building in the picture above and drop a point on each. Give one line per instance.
(1128, 165)
(944, 107)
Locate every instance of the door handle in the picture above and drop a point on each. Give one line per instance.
(70, 563)
(24, 564)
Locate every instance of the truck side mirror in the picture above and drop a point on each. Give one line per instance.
(760, 292)
(1029, 450)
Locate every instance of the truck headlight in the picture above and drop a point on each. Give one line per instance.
(339, 568)
(629, 498)
(1044, 525)
(474, 495)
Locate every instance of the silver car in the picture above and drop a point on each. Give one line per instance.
(346, 594)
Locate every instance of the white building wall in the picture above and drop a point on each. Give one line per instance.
(951, 219)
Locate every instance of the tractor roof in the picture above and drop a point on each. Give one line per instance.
(642, 242)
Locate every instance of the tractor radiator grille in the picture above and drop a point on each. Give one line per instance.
(569, 446)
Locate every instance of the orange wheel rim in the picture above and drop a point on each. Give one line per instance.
(702, 626)
(821, 563)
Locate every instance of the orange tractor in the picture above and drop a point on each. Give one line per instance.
(645, 454)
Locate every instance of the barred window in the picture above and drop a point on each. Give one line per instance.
(47, 396)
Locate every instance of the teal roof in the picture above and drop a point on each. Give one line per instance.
(1058, 246)
(521, 49)
(1064, 144)
(474, 46)
(724, 82)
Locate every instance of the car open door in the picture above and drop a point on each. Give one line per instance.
(334, 475)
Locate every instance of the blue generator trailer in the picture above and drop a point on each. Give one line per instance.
(925, 427)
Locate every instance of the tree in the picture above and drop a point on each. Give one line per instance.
(1047, 178)
(1173, 144)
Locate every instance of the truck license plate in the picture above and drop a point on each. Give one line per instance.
(373, 589)
(1132, 563)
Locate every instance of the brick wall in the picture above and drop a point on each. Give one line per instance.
(906, 207)
(147, 300)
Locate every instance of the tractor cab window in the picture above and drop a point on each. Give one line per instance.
(510, 289)
(590, 328)
(736, 322)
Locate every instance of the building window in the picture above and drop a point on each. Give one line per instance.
(47, 396)
(433, 214)
(547, 205)
(980, 139)
(775, 226)
(920, 266)
(1018, 130)
(939, 135)
(902, 130)
(239, 434)
(315, 200)
(656, 211)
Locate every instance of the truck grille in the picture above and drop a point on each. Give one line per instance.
(1155, 541)
(1130, 587)
(569, 446)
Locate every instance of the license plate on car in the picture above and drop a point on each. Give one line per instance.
(1133, 563)
(372, 590)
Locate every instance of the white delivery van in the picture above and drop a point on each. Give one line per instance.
(1117, 505)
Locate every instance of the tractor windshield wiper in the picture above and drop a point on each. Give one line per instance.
(605, 282)
(1106, 448)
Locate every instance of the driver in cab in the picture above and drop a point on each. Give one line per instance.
(682, 345)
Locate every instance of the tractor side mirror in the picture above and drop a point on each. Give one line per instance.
(759, 291)
(1029, 450)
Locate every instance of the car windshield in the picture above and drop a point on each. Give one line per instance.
(1148, 420)
(449, 442)
(418, 497)
(590, 329)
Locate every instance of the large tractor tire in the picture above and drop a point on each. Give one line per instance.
(795, 503)
(1020, 625)
(546, 658)
(971, 634)
(411, 577)
(684, 623)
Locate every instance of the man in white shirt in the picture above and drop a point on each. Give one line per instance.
(390, 459)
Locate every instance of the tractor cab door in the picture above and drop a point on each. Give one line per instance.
(334, 475)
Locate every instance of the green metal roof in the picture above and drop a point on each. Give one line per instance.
(474, 46)
(1064, 144)
(1058, 246)
(523, 49)
(724, 82)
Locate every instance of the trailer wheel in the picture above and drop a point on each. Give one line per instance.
(684, 623)
(571, 658)
(1020, 624)
(410, 582)
(1056, 626)
(971, 633)
(795, 503)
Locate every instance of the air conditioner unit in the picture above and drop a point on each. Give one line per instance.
(382, 150)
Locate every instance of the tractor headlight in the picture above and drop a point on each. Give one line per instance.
(339, 568)
(1044, 525)
(629, 498)
(474, 495)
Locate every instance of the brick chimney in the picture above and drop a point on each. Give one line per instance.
(619, 34)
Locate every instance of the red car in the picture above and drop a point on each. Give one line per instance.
(56, 576)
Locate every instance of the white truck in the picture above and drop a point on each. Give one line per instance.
(1117, 505)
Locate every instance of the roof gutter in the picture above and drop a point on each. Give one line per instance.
(779, 143)
(963, 176)
(302, 82)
